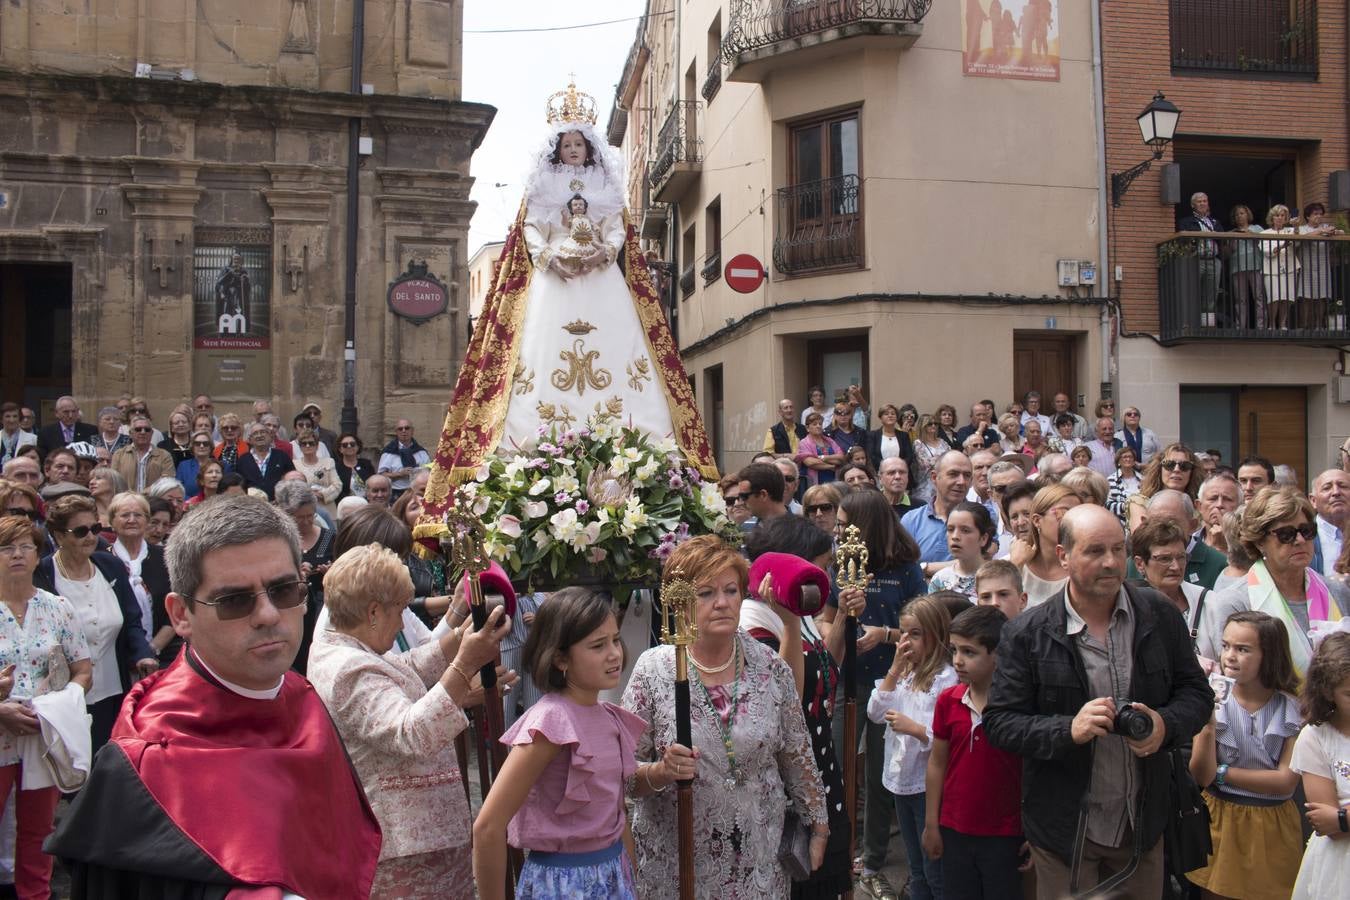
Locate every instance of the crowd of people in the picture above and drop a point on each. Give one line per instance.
(1066, 622)
(1267, 282)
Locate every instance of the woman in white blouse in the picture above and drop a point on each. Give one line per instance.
(319, 472)
(96, 586)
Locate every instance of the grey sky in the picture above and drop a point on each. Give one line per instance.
(517, 72)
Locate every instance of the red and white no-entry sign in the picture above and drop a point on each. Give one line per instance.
(744, 273)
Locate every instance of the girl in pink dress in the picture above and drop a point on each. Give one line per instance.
(560, 795)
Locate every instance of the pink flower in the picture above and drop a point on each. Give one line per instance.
(597, 554)
(582, 507)
(561, 498)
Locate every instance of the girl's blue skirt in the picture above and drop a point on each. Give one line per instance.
(601, 874)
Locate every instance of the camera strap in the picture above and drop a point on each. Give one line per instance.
(1080, 838)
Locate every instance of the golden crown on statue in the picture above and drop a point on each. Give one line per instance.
(571, 106)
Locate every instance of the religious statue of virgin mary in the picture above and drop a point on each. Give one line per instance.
(572, 328)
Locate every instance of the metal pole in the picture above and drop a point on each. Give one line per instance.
(349, 420)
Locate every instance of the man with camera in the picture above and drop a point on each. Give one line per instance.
(1093, 689)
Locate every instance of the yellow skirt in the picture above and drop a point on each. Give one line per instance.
(1257, 850)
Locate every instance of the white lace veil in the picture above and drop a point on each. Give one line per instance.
(548, 187)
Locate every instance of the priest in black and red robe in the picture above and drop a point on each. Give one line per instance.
(225, 777)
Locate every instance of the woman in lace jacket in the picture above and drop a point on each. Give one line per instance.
(398, 715)
(753, 754)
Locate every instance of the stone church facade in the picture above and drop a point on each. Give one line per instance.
(173, 203)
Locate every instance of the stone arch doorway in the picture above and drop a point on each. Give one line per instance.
(35, 340)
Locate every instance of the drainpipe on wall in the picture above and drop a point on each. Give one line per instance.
(1104, 275)
(349, 418)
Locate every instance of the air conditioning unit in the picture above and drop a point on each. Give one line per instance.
(1340, 388)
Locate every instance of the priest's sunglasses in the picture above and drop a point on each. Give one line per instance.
(237, 605)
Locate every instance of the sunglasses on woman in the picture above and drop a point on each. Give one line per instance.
(1174, 465)
(1289, 533)
(83, 531)
(817, 508)
(28, 514)
(239, 604)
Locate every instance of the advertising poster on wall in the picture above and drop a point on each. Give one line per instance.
(1011, 39)
(232, 314)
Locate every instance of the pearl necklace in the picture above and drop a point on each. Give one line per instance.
(714, 670)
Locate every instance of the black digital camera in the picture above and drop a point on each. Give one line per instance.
(1132, 723)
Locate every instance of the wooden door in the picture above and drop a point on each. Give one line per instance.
(35, 343)
(1046, 362)
(716, 415)
(1273, 422)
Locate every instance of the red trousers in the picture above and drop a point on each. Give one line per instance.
(33, 813)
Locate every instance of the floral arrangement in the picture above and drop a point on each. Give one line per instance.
(601, 499)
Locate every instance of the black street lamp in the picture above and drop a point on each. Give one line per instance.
(1157, 125)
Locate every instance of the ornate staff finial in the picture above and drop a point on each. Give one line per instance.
(851, 559)
(466, 537)
(677, 602)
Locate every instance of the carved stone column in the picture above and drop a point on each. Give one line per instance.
(425, 216)
(306, 285)
(155, 339)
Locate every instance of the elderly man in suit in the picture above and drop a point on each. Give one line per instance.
(262, 467)
(67, 429)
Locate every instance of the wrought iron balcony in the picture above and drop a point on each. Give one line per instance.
(713, 83)
(819, 226)
(765, 34)
(1245, 37)
(679, 153)
(687, 281)
(712, 269)
(1270, 287)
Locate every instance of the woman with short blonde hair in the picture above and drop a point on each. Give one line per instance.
(1090, 485)
(232, 444)
(398, 715)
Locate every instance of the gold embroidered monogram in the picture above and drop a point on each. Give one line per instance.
(580, 372)
(639, 373)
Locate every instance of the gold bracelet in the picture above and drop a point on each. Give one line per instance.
(468, 679)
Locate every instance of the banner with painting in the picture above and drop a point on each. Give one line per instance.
(1011, 39)
(232, 313)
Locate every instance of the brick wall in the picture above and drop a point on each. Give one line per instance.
(1137, 62)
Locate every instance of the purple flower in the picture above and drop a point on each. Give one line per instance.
(676, 482)
(561, 498)
(682, 531)
(539, 463)
(583, 507)
(661, 551)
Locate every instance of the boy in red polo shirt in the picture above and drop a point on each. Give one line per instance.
(974, 822)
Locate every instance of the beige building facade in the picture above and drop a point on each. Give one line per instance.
(911, 217)
(173, 204)
(483, 267)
